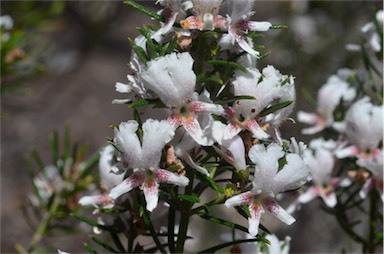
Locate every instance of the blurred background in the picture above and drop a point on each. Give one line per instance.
(66, 57)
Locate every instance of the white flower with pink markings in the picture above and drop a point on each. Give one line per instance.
(269, 181)
(171, 77)
(144, 158)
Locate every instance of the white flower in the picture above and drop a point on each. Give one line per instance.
(239, 24)
(232, 150)
(321, 163)
(364, 130)
(328, 98)
(205, 16)
(6, 22)
(171, 77)
(174, 10)
(375, 166)
(108, 179)
(245, 113)
(374, 40)
(269, 181)
(135, 84)
(144, 159)
(287, 93)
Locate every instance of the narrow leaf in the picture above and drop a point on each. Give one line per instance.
(234, 65)
(223, 245)
(234, 98)
(222, 222)
(275, 107)
(67, 143)
(88, 221)
(191, 198)
(54, 141)
(139, 51)
(89, 248)
(145, 10)
(104, 245)
(89, 164)
(37, 158)
(142, 102)
(149, 224)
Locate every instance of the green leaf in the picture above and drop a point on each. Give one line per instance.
(233, 65)
(31, 174)
(139, 51)
(263, 55)
(191, 198)
(89, 248)
(210, 182)
(278, 26)
(234, 98)
(88, 221)
(89, 164)
(223, 245)
(54, 141)
(308, 97)
(169, 47)
(104, 245)
(149, 224)
(145, 10)
(223, 222)
(37, 158)
(67, 143)
(142, 102)
(275, 107)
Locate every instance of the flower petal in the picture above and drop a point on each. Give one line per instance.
(274, 208)
(192, 126)
(292, 176)
(257, 132)
(127, 185)
(245, 46)
(308, 118)
(164, 176)
(151, 194)
(129, 143)
(95, 200)
(204, 107)
(156, 135)
(241, 199)
(266, 160)
(260, 26)
(187, 158)
(312, 193)
(350, 151)
(255, 209)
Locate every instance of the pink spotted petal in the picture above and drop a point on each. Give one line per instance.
(174, 120)
(204, 107)
(151, 194)
(231, 130)
(309, 195)
(241, 199)
(127, 185)
(95, 200)
(164, 176)
(192, 126)
(257, 132)
(274, 208)
(255, 209)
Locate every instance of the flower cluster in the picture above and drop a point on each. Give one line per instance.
(204, 110)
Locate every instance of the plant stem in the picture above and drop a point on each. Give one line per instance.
(185, 213)
(41, 230)
(372, 220)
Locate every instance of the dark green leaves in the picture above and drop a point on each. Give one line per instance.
(223, 63)
(275, 107)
